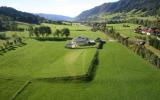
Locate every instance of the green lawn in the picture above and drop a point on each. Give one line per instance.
(43, 59)
(49, 58)
(121, 75)
(73, 27)
(8, 87)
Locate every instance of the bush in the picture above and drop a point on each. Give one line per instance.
(154, 42)
(2, 36)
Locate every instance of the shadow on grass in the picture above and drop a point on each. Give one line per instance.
(86, 47)
(52, 39)
(80, 30)
(11, 48)
(1, 54)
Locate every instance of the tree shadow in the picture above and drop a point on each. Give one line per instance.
(53, 39)
(80, 30)
(11, 48)
(1, 54)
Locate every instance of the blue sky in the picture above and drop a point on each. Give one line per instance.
(61, 7)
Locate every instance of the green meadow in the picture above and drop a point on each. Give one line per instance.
(45, 59)
(120, 75)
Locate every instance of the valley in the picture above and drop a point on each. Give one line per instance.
(110, 52)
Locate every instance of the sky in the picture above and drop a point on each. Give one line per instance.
(70, 8)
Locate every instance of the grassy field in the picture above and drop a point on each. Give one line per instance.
(121, 74)
(48, 58)
(9, 86)
(130, 78)
(126, 31)
(43, 59)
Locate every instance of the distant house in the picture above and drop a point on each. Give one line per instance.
(148, 31)
(138, 30)
(71, 45)
(151, 31)
(80, 41)
(157, 32)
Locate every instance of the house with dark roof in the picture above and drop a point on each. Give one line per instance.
(80, 41)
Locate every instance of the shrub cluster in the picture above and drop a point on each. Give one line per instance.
(145, 22)
(9, 43)
(45, 31)
(154, 42)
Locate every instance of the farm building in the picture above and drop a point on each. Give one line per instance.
(80, 41)
(151, 31)
(148, 31)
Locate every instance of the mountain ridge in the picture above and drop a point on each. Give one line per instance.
(152, 7)
(16, 15)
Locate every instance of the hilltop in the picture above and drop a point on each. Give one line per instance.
(15, 15)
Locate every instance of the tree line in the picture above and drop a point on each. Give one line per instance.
(45, 31)
(9, 42)
(138, 47)
(146, 22)
(7, 25)
(98, 26)
(154, 42)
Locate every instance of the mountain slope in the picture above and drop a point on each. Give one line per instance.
(152, 7)
(55, 17)
(16, 15)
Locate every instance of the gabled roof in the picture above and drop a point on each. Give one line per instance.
(80, 38)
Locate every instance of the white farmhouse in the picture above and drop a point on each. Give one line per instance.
(80, 41)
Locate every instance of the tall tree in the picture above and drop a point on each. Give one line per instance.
(31, 31)
(66, 32)
(57, 33)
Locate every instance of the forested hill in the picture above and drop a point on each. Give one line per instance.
(15, 15)
(151, 7)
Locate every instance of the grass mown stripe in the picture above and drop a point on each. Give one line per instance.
(89, 76)
(20, 90)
